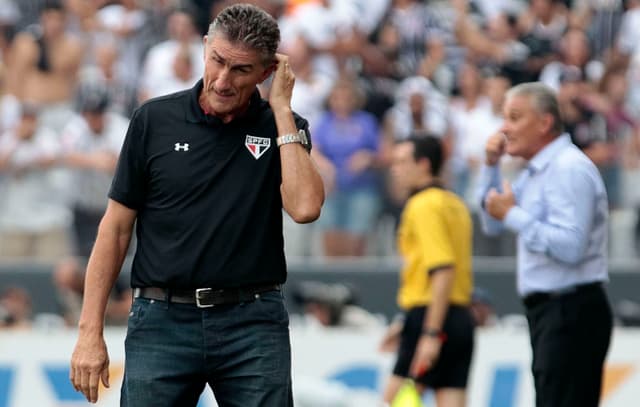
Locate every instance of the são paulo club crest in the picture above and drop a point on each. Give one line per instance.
(257, 145)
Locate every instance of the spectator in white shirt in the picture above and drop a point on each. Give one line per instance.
(165, 67)
(34, 216)
(91, 143)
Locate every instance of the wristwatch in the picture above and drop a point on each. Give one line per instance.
(299, 137)
(435, 333)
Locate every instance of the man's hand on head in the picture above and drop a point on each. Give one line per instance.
(282, 84)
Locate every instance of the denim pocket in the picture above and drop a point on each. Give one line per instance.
(272, 308)
(138, 311)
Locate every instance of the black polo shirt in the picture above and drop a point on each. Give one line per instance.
(207, 194)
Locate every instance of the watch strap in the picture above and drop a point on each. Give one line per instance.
(435, 333)
(288, 139)
(299, 137)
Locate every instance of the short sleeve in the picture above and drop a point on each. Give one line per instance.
(433, 237)
(129, 182)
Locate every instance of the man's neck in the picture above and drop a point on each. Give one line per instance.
(425, 182)
(225, 118)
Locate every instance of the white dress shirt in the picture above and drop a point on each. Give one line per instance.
(560, 218)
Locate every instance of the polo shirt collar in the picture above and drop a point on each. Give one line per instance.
(195, 114)
(547, 154)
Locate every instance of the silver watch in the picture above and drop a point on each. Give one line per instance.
(299, 137)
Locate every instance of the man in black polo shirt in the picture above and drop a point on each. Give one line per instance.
(205, 174)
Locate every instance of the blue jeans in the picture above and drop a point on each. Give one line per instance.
(241, 350)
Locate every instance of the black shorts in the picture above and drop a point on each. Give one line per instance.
(452, 367)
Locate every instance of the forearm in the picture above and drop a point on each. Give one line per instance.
(78, 160)
(97, 161)
(302, 188)
(572, 207)
(490, 177)
(562, 241)
(441, 284)
(104, 266)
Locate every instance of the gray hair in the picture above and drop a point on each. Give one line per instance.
(543, 100)
(250, 27)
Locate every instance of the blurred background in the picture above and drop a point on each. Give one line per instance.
(368, 73)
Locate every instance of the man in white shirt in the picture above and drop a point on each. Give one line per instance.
(160, 75)
(558, 208)
(34, 216)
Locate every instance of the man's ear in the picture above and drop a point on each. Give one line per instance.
(268, 71)
(546, 124)
(425, 163)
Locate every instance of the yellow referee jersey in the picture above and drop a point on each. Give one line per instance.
(435, 231)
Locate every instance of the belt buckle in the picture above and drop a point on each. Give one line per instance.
(203, 291)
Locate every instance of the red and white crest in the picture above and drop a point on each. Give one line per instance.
(257, 145)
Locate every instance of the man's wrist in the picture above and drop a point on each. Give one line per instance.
(299, 137)
(434, 333)
(90, 328)
(282, 110)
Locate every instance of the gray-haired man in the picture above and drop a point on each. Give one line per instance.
(205, 174)
(558, 208)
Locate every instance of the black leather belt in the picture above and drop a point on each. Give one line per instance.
(204, 297)
(535, 299)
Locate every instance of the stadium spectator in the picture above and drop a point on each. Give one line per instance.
(419, 109)
(204, 174)
(472, 121)
(597, 123)
(574, 53)
(499, 46)
(106, 55)
(410, 35)
(626, 43)
(15, 308)
(91, 143)
(347, 141)
(541, 29)
(434, 240)
(34, 213)
(43, 66)
(622, 133)
(601, 19)
(313, 84)
(332, 306)
(9, 16)
(125, 20)
(558, 208)
(174, 64)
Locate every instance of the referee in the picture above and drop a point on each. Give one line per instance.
(434, 239)
(558, 208)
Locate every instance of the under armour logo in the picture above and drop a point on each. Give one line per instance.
(181, 147)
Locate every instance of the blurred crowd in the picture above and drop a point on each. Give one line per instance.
(368, 73)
